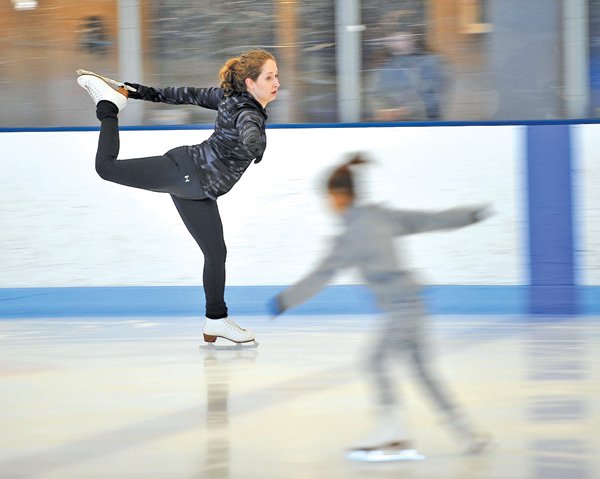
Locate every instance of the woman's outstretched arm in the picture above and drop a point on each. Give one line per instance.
(185, 95)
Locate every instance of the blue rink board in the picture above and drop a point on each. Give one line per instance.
(553, 226)
(253, 300)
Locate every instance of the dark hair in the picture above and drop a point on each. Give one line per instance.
(235, 71)
(342, 178)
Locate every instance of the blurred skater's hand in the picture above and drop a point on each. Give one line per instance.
(483, 212)
(275, 307)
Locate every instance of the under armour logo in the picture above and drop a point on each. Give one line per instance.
(187, 178)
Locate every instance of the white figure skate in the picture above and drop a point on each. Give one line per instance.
(100, 90)
(110, 81)
(225, 328)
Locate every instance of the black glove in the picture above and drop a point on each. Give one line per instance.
(136, 95)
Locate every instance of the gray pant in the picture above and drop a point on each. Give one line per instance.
(401, 339)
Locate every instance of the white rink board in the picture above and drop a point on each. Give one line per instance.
(64, 226)
(586, 145)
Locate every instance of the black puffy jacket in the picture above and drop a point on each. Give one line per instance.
(238, 138)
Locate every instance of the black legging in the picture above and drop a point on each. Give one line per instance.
(175, 175)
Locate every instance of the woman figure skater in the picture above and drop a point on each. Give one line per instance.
(367, 243)
(195, 176)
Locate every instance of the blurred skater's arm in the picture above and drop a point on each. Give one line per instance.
(310, 285)
(412, 222)
(185, 95)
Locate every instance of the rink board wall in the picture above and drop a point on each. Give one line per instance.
(73, 244)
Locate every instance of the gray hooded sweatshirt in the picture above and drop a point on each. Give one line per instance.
(367, 243)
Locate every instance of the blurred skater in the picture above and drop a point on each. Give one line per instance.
(367, 243)
(195, 176)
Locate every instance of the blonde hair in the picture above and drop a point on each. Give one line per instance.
(235, 71)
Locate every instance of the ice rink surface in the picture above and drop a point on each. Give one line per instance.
(138, 398)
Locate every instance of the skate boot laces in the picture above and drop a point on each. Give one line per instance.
(234, 327)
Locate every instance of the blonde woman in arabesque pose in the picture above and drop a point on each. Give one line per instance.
(195, 176)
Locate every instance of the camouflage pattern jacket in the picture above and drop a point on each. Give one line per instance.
(238, 137)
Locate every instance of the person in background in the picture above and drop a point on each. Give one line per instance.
(367, 243)
(409, 83)
(195, 176)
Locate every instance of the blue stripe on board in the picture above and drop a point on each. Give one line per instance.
(242, 300)
(550, 208)
(207, 126)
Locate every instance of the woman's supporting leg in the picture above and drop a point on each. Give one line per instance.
(202, 219)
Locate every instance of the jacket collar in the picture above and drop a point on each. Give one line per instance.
(248, 98)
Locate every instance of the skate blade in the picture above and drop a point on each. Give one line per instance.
(110, 81)
(384, 455)
(229, 347)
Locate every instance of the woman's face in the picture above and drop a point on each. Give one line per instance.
(264, 89)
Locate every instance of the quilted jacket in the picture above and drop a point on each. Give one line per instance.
(238, 137)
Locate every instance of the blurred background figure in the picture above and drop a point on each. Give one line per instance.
(367, 243)
(408, 84)
(94, 37)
